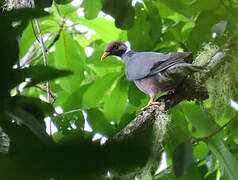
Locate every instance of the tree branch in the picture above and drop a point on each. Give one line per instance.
(53, 96)
(148, 119)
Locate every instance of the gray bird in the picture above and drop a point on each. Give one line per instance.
(153, 73)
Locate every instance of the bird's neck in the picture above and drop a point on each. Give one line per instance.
(125, 57)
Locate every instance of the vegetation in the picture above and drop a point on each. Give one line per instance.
(50, 67)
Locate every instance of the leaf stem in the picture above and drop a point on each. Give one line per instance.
(197, 140)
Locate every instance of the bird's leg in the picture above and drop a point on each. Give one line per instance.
(151, 102)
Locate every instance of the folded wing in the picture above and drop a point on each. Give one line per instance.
(143, 64)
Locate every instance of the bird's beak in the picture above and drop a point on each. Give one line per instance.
(105, 54)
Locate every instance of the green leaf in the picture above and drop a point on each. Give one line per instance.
(43, 3)
(105, 29)
(34, 103)
(205, 123)
(29, 119)
(91, 8)
(95, 93)
(139, 33)
(63, 1)
(99, 123)
(189, 8)
(122, 11)
(21, 14)
(182, 158)
(115, 103)
(202, 32)
(178, 6)
(226, 159)
(74, 101)
(37, 74)
(200, 151)
(126, 20)
(200, 119)
(67, 10)
(69, 55)
(135, 96)
(178, 131)
(66, 120)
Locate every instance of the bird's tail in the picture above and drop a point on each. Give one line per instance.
(195, 68)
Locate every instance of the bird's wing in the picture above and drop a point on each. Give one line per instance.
(144, 64)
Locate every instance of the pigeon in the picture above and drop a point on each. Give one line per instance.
(152, 72)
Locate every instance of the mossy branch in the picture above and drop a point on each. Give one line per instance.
(191, 89)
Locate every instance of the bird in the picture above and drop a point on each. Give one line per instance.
(152, 72)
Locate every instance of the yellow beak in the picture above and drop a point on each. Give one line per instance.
(105, 54)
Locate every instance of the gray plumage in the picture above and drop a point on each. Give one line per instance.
(153, 73)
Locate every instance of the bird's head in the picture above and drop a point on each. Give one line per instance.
(114, 48)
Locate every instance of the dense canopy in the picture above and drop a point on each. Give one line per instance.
(50, 71)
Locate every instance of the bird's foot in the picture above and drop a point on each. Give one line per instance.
(172, 91)
(150, 104)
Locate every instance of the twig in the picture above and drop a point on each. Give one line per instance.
(44, 53)
(33, 29)
(47, 49)
(197, 140)
(32, 52)
(57, 8)
(53, 96)
(43, 48)
(68, 112)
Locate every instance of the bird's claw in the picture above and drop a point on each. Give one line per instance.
(172, 91)
(150, 104)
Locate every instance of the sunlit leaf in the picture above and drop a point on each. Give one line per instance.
(115, 103)
(91, 8)
(68, 55)
(104, 28)
(94, 94)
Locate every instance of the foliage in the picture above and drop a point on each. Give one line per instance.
(98, 93)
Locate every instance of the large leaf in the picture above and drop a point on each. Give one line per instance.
(69, 55)
(205, 123)
(94, 94)
(9, 47)
(177, 132)
(74, 101)
(136, 97)
(22, 14)
(29, 118)
(99, 122)
(139, 33)
(115, 103)
(121, 11)
(226, 159)
(43, 4)
(202, 32)
(105, 29)
(66, 120)
(91, 8)
(63, 1)
(40, 108)
(37, 74)
(182, 158)
(189, 8)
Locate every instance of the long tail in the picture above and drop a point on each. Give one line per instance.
(184, 68)
(194, 67)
